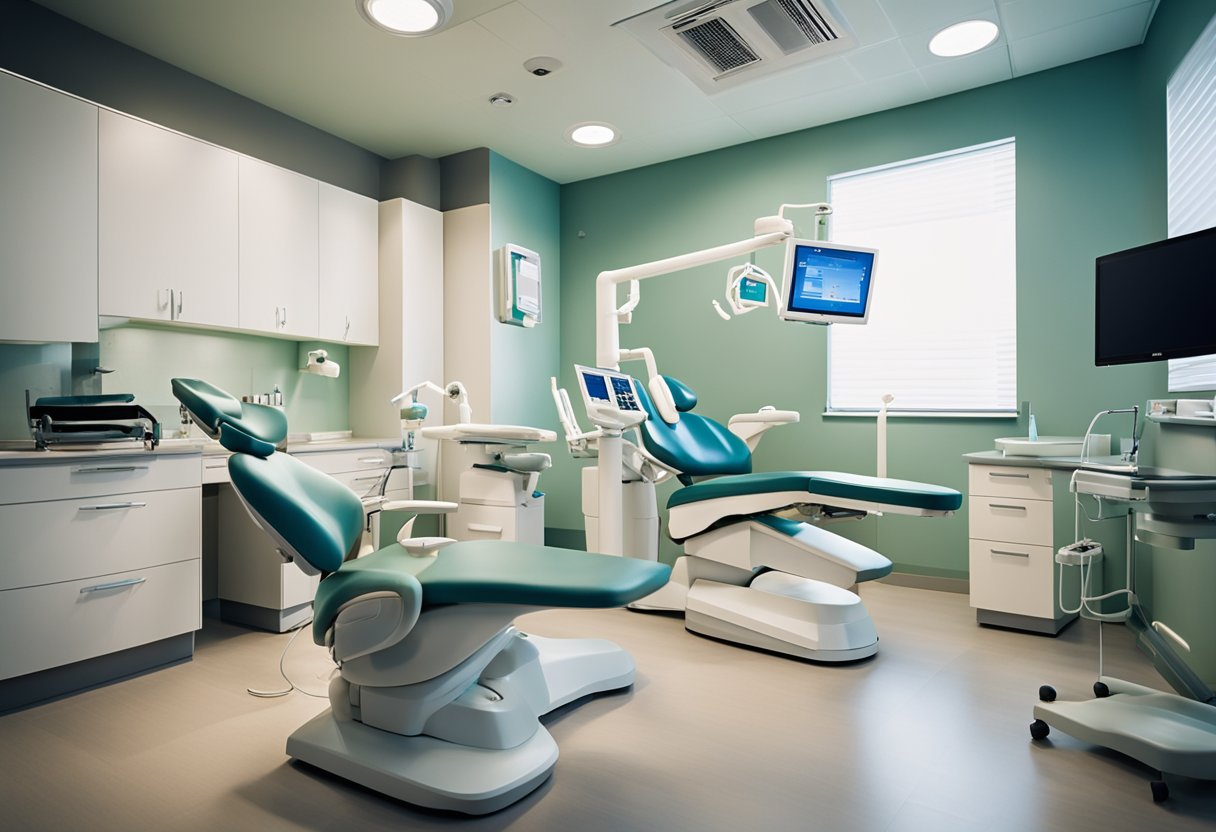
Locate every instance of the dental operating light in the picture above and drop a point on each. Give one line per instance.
(408, 18)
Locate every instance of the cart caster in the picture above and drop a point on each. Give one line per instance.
(1040, 729)
(1160, 790)
(1047, 693)
(1101, 690)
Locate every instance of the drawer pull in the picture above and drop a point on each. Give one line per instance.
(112, 585)
(1007, 506)
(1010, 554)
(371, 459)
(113, 506)
(485, 529)
(1009, 476)
(365, 479)
(109, 469)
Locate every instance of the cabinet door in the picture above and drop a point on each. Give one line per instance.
(48, 214)
(349, 289)
(167, 225)
(278, 250)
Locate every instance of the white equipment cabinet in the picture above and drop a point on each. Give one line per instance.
(258, 586)
(349, 276)
(1012, 548)
(48, 214)
(167, 233)
(101, 569)
(278, 250)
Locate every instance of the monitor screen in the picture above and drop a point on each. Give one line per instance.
(1156, 301)
(827, 282)
(597, 386)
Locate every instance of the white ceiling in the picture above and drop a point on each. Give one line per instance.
(319, 61)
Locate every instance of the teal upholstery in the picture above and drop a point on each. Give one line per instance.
(104, 398)
(319, 518)
(240, 442)
(683, 396)
(213, 407)
(491, 572)
(917, 495)
(695, 446)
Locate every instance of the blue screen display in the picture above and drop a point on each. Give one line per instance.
(829, 280)
(597, 386)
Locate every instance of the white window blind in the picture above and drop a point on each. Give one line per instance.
(942, 334)
(1190, 112)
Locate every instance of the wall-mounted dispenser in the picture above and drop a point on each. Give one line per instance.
(519, 298)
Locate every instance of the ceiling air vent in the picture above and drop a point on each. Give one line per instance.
(722, 43)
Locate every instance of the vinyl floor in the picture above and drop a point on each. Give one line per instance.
(931, 734)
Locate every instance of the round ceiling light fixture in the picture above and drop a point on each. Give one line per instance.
(963, 38)
(592, 134)
(502, 99)
(408, 18)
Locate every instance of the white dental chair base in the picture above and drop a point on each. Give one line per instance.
(784, 614)
(470, 770)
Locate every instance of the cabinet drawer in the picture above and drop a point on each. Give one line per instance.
(94, 477)
(1009, 481)
(1012, 578)
(51, 625)
(1008, 518)
(363, 483)
(215, 468)
(335, 462)
(65, 540)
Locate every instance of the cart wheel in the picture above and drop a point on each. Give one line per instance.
(1160, 790)
(1047, 693)
(1040, 729)
(1101, 690)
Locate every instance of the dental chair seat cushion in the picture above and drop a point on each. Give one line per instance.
(917, 495)
(491, 572)
(313, 515)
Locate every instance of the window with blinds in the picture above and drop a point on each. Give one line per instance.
(942, 336)
(1190, 113)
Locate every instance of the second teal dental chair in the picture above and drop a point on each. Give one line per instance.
(754, 570)
(438, 696)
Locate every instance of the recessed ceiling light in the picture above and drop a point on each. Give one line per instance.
(502, 99)
(409, 18)
(592, 134)
(963, 38)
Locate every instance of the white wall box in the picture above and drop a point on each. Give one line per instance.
(167, 225)
(278, 250)
(349, 256)
(48, 214)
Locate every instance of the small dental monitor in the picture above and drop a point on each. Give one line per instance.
(1156, 301)
(606, 388)
(827, 283)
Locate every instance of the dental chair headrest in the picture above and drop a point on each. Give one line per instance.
(683, 396)
(251, 427)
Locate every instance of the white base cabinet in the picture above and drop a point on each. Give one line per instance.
(101, 556)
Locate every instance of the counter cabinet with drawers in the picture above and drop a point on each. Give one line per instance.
(100, 574)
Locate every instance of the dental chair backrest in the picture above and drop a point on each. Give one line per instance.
(695, 446)
(313, 518)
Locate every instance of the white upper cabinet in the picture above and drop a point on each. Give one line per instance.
(167, 225)
(48, 214)
(349, 267)
(278, 250)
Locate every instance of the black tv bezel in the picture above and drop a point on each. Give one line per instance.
(1161, 355)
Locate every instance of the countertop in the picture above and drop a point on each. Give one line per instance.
(23, 452)
(1062, 463)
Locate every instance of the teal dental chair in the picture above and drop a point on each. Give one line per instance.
(750, 573)
(437, 697)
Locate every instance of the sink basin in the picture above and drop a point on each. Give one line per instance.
(1052, 445)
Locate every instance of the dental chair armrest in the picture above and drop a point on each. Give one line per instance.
(359, 611)
(751, 426)
(419, 506)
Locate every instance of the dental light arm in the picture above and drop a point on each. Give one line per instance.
(454, 391)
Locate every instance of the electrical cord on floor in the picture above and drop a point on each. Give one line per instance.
(273, 694)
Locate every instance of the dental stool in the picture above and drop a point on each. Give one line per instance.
(750, 575)
(438, 696)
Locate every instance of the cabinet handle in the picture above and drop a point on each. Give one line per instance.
(370, 459)
(365, 479)
(180, 296)
(346, 332)
(113, 585)
(483, 528)
(113, 506)
(1009, 476)
(1007, 506)
(284, 316)
(108, 469)
(1010, 554)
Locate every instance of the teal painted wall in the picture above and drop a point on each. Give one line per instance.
(525, 211)
(1090, 179)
